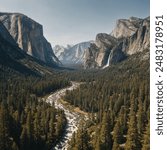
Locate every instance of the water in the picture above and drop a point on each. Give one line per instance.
(108, 62)
(73, 118)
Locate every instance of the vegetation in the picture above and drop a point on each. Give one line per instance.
(117, 100)
(26, 121)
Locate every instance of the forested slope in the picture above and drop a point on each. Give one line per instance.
(27, 121)
(118, 102)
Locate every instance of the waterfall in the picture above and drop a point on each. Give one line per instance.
(108, 61)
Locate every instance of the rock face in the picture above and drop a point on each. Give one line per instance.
(71, 54)
(126, 27)
(140, 40)
(130, 36)
(11, 56)
(98, 52)
(6, 35)
(29, 36)
(90, 57)
(105, 43)
(14, 59)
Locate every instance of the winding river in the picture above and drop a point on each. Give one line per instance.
(73, 118)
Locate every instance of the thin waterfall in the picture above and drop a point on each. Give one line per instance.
(108, 61)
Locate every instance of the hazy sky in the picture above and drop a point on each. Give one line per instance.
(74, 21)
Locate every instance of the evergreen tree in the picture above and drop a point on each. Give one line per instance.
(23, 139)
(36, 126)
(146, 140)
(29, 126)
(140, 117)
(105, 133)
(116, 146)
(117, 134)
(132, 142)
(119, 129)
(82, 142)
(97, 145)
(4, 129)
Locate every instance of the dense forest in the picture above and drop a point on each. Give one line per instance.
(26, 121)
(118, 103)
(116, 99)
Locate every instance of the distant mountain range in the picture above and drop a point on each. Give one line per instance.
(21, 37)
(129, 37)
(72, 54)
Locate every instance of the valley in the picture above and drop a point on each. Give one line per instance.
(100, 102)
(73, 118)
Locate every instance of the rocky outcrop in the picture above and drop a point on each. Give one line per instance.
(72, 54)
(90, 57)
(98, 53)
(104, 43)
(29, 36)
(140, 40)
(15, 60)
(129, 37)
(6, 35)
(126, 27)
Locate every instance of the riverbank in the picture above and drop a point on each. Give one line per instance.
(73, 115)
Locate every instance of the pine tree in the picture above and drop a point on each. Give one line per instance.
(146, 140)
(140, 117)
(51, 134)
(132, 142)
(119, 129)
(97, 145)
(29, 130)
(36, 127)
(116, 146)
(4, 129)
(117, 134)
(82, 142)
(105, 133)
(29, 126)
(23, 138)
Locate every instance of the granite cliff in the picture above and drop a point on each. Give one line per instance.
(129, 37)
(29, 36)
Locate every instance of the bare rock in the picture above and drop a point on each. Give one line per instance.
(29, 36)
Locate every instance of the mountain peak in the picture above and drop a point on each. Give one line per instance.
(29, 36)
(72, 54)
(126, 27)
(130, 36)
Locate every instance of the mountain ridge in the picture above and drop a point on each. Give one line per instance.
(71, 54)
(16, 60)
(29, 36)
(121, 43)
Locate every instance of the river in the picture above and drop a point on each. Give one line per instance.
(73, 118)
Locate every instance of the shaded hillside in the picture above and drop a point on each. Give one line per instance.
(29, 36)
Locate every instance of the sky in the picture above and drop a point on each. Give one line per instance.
(74, 21)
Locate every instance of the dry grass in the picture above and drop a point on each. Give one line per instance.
(78, 110)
